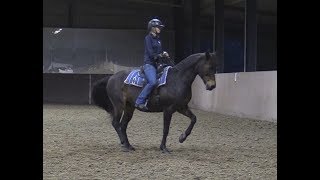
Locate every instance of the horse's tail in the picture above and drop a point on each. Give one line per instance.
(100, 95)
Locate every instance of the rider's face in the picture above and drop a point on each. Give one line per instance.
(157, 30)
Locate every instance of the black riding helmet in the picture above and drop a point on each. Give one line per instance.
(155, 23)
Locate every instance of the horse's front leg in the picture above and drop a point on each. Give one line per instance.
(167, 115)
(187, 112)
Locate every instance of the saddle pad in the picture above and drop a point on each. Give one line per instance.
(135, 78)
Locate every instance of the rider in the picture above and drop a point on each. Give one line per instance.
(152, 51)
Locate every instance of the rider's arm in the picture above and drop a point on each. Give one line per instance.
(153, 55)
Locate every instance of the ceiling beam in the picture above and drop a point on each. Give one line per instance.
(156, 3)
(241, 9)
(235, 2)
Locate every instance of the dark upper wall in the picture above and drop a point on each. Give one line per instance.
(125, 14)
(109, 14)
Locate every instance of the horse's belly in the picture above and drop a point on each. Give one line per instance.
(154, 104)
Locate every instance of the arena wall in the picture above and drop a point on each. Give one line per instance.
(244, 94)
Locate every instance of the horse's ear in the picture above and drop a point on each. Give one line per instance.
(208, 56)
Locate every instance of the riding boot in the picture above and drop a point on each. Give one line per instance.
(142, 107)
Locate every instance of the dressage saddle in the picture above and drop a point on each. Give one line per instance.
(161, 64)
(160, 68)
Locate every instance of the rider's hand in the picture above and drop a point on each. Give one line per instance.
(165, 54)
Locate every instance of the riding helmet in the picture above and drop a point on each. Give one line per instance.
(155, 23)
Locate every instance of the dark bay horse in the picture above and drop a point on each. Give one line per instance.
(118, 98)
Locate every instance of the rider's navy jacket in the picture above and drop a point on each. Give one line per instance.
(152, 49)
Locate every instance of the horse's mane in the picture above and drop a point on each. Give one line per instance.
(188, 61)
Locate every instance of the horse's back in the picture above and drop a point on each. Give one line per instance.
(119, 76)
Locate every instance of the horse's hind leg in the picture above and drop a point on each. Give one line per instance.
(127, 116)
(117, 113)
(187, 112)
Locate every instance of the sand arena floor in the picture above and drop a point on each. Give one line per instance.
(79, 142)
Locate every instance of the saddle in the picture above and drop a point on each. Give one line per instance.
(138, 79)
(159, 72)
(161, 63)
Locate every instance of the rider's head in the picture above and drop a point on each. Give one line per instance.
(155, 26)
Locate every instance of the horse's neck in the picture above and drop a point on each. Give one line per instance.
(188, 73)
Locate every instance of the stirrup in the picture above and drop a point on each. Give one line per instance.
(141, 107)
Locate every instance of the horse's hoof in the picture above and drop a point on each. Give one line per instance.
(131, 148)
(165, 150)
(128, 148)
(182, 138)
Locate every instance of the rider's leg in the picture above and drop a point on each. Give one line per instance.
(150, 72)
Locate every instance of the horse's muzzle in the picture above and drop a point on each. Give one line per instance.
(210, 85)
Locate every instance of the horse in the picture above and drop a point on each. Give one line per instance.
(118, 99)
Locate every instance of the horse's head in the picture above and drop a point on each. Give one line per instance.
(207, 69)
